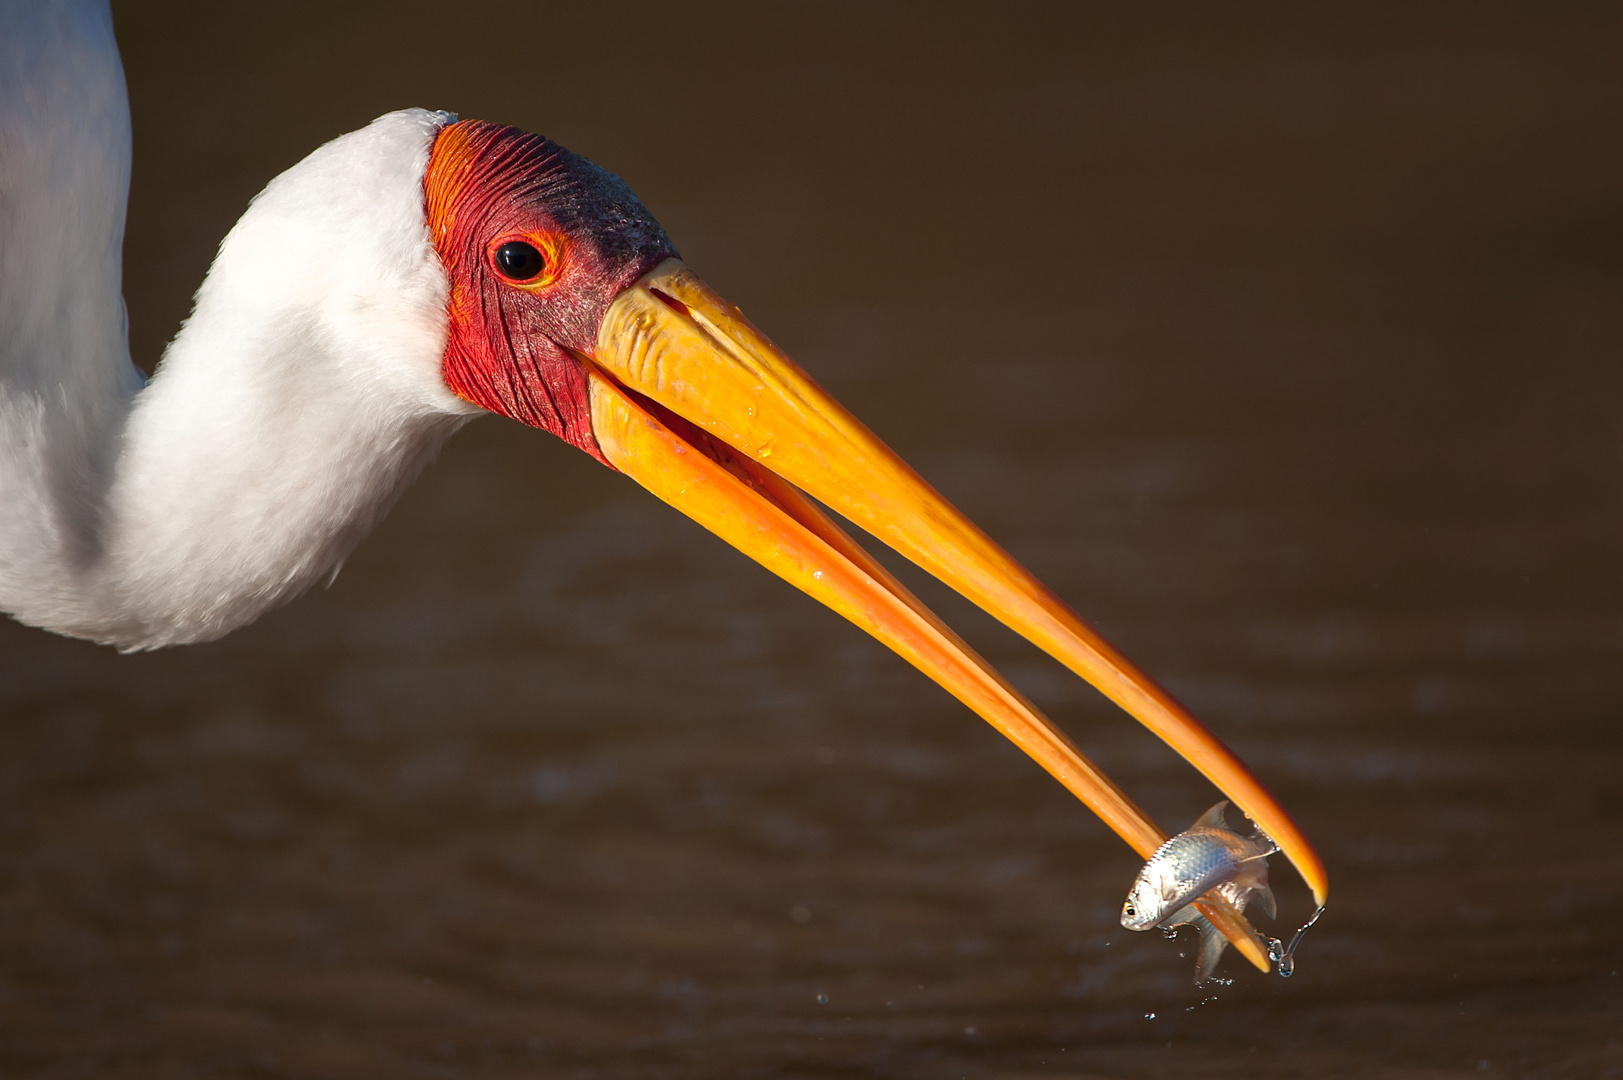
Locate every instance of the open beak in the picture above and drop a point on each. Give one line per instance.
(697, 405)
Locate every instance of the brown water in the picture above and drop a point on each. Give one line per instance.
(1286, 349)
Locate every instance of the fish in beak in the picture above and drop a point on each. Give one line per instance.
(679, 391)
(1206, 856)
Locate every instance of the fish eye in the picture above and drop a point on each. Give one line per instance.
(519, 261)
(1130, 909)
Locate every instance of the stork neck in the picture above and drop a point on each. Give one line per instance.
(298, 401)
(301, 398)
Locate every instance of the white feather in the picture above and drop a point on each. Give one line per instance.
(297, 402)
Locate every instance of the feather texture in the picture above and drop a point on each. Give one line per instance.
(299, 399)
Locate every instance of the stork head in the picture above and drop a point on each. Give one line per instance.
(537, 243)
(570, 311)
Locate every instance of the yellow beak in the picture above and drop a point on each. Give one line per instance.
(697, 405)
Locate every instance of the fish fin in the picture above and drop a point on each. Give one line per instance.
(1248, 887)
(1212, 941)
(1252, 873)
(1237, 896)
(1265, 897)
(1184, 916)
(1212, 944)
(1213, 818)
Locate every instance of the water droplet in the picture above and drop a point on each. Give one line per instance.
(822, 999)
(1284, 955)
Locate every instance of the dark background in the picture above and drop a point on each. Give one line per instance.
(1284, 344)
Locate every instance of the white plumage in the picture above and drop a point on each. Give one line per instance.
(297, 402)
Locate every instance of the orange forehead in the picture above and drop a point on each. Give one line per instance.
(511, 344)
(506, 347)
(474, 171)
(451, 166)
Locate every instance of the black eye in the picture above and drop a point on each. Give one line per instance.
(519, 261)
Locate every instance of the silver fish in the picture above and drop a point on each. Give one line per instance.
(1207, 856)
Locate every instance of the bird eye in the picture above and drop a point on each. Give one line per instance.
(519, 261)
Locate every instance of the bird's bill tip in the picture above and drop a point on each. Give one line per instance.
(693, 402)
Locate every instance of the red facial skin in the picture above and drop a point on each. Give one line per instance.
(509, 341)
